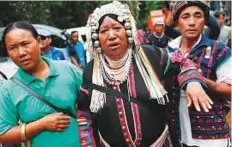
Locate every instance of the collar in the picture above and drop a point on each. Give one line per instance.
(202, 41)
(26, 78)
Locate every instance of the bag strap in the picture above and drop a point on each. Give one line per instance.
(3, 75)
(112, 92)
(32, 92)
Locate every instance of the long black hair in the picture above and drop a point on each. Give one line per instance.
(17, 25)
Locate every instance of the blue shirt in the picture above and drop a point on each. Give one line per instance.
(79, 52)
(54, 54)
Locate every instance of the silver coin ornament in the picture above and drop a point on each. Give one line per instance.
(96, 44)
(130, 40)
(127, 25)
(129, 33)
(94, 36)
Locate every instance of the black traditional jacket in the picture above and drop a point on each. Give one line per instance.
(150, 116)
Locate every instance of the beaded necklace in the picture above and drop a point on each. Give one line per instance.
(115, 72)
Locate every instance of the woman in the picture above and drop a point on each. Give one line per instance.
(57, 82)
(122, 86)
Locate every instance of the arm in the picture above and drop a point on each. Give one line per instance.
(84, 99)
(51, 122)
(74, 61)
(169, 26)
(222, 89)
(10, 131)
(191, 80)
(213, 29)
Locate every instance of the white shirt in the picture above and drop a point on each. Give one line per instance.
(185, 125)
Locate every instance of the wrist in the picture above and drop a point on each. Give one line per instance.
(40, 125)
(23, 132)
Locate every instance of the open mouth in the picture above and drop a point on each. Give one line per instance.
(114, 46)
(25, 62)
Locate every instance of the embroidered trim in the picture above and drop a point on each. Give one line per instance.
(160, 142)
(135, 109)
(193, 74)
(222, 52)
(211, 59)
(135, 113)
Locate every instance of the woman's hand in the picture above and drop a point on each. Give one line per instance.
(55, 122)
(195, 94)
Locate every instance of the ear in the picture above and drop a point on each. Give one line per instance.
(39, 42)
(50, 40)
(39, 39)
(176, 24)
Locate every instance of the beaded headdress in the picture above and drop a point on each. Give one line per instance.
(123, 13)
(100, 70)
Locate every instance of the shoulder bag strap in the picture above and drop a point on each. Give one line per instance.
(112, 92)
(32, 92)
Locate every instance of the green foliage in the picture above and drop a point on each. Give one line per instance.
(66, 14)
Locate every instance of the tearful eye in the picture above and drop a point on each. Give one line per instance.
(117, 28)
(12, 48)
(26, 44)
(103, 31)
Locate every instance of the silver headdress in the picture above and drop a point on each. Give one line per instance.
(152, 83)
(123, 13)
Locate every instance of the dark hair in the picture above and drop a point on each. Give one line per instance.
(18, 25)
(74, 32)
(218, 13)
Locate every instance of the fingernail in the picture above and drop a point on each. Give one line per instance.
(198, 109)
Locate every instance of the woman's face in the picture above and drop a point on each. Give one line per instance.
(23, 48)
(113, 40)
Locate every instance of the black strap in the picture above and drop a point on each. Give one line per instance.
(3, 75)
(29, 90)
(112, 92)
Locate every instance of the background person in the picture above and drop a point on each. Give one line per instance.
(225, 33)
(158, 38)
(47, 50)
(76, 51)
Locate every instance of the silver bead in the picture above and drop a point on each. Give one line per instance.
(96, 44)
(129, 33)
(93, 22)
(94, 36)
(99, 50)
(126, 18)
(130, 40)
(127, 25)
(120, 18)
(93, 28)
